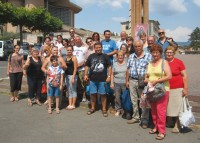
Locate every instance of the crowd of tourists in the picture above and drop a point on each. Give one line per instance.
(100, 70)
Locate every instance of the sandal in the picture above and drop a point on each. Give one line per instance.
(38, 102)
(57, 111)
(30, 102)
(49, 111)
(91, 111)
(160, 136)
(16, 99)
(152, 131)
(12, 99)
(105, 114)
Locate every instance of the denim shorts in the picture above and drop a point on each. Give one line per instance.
(97, 87)
(54, 91)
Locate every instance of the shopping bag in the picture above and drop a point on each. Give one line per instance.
(186, 117)
(126, 100)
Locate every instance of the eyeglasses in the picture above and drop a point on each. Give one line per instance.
(155, 53)
(169, 53)
(71, 31)
(161, 33)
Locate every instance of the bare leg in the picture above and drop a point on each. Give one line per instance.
(93, 101)
(103, 102)
(57, 104)
(12, 97)
(74, 101)
(16, 95)
(49, 104)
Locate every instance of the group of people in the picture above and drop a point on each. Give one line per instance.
(107, 68)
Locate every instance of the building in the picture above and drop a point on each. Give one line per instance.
(63, 9)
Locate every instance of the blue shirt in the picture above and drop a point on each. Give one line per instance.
(141, 64)
(109, 46)
(165, 44)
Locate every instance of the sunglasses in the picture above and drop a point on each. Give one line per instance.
(161, 33)
(71, 31)
(89, 41)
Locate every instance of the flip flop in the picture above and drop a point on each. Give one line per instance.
(91, 111)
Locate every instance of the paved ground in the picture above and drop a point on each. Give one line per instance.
(22, 124)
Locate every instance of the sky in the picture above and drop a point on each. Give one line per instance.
(178, 17)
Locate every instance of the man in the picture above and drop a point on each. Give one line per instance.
(90, 44)
(109, 46)
(80, 51)
(99, 67)
(150, 41)
(164, 41)
(123, 36)
(136, 67)
(72, 33)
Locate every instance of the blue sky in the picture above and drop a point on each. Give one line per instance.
(178, 17)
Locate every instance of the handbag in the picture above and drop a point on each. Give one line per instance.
(126, 101)
(44, 88)
(159, 89)
(186, 117)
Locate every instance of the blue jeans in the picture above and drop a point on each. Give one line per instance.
(54, 91)
(97, 87)
(71, 88)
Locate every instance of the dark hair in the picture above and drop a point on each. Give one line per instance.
(54, 58)
(125, 46)
(129, 37)
(59, 36)
(70, 46)
(96, 33)
(97, 43)
(143, 34)
(106, 31)
(30, 46)
(16, 46)
(47, 38)
(66, 40)
(156, 47)
(88, 39)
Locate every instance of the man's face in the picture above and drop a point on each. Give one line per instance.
(107, 35)
(123, 36)
(78, 41)
(138, 47)
(143, 38)
(98, 49)
(54, 63)
(150, 41)
(161, 33)
(72, 32)
(90, 42)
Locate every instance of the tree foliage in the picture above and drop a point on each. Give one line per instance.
(33, 19)
(195, 38)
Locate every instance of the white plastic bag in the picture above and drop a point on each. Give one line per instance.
(186, 117)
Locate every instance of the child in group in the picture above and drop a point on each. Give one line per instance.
(54, 83)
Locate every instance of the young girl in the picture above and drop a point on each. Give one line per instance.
(55, 83)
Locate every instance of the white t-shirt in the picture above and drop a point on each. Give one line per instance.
(59, 45)
(81, 55)
(119, 43)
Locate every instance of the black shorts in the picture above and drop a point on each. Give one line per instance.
(15, 81)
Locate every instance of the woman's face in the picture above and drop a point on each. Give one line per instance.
(47, 41)
(124, 50)
(156, 55)
(129, 42)
(35, 54)
(169, 54)
(69, 51)
(96, 37)
(120, 57)
(16, 49)
(65, 43)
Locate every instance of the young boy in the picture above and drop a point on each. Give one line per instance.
(54, 83)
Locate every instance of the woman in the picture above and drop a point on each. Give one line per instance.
(124, 49)
(96, 37)
(47, 42)
(15, 72)
(153, 76)
(129, 41)
(34, 77)
(178, 86)
(63, 50)
(71, 77)
(118, 81)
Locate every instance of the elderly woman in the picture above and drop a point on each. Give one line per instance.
(118, 80)
(155, 74)
(178, 86)
(15, 72)
(34, 77)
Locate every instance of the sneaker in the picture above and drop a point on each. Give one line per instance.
(84, 99)
(133, 121)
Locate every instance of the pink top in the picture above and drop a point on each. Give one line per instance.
(176, 67)
(16, 63)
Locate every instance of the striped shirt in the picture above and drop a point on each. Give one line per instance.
(140, 64)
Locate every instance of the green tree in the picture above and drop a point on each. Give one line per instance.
(195, 38)
(6, 12)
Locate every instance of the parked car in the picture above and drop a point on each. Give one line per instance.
(24, 49)
(6, 48)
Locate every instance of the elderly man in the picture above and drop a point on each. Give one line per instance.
(136, 68)
(164, 41)
(99, 67)
(150, 42)
(80, 51)
(123, 36)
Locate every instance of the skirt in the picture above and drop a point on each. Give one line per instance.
(175, 104)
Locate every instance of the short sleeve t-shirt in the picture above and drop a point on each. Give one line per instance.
(80, 53)
(119, 71)
(176, 67)
(55, 74)
(109, 46)
(98, 64)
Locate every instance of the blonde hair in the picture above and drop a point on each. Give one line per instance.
(120, 51)
(170, 48)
